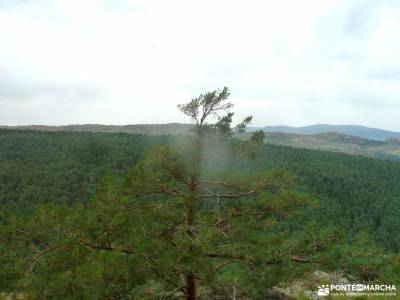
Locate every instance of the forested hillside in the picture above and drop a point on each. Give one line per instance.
(41, 167)
(350, 222)
(338, 143)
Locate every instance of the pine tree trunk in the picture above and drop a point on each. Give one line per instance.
(191, 284)
(191, 288)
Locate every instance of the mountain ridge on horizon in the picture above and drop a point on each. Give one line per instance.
(183, 128)
(383, 144)
(352, 130)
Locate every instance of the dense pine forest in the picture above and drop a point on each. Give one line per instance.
(118, 216)
(65, 168)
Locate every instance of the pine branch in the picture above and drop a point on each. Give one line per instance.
(36, 258)
(247, 259)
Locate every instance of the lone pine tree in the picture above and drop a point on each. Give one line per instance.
(218, 227)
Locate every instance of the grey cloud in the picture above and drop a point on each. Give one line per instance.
(320, 66)
(22, 89)
(384, 74)
(357, 21)
(360, 18)
(368, 98)
(7, 4)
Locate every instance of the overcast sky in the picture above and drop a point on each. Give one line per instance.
(128, 62)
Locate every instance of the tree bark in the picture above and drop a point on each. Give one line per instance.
(191, 287)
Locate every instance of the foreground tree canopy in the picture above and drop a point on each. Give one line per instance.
(182, 224)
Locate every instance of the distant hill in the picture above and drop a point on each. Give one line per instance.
(148, 129)
(179, 128)
(386, 146)
(354, 130)
(337, 142)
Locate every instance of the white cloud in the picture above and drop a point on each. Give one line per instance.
(292, 62)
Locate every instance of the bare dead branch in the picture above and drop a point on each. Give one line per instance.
(229, 196)
(106, 248)
(162, 189)
(247, 259)
(299, 259)
(222, 183)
